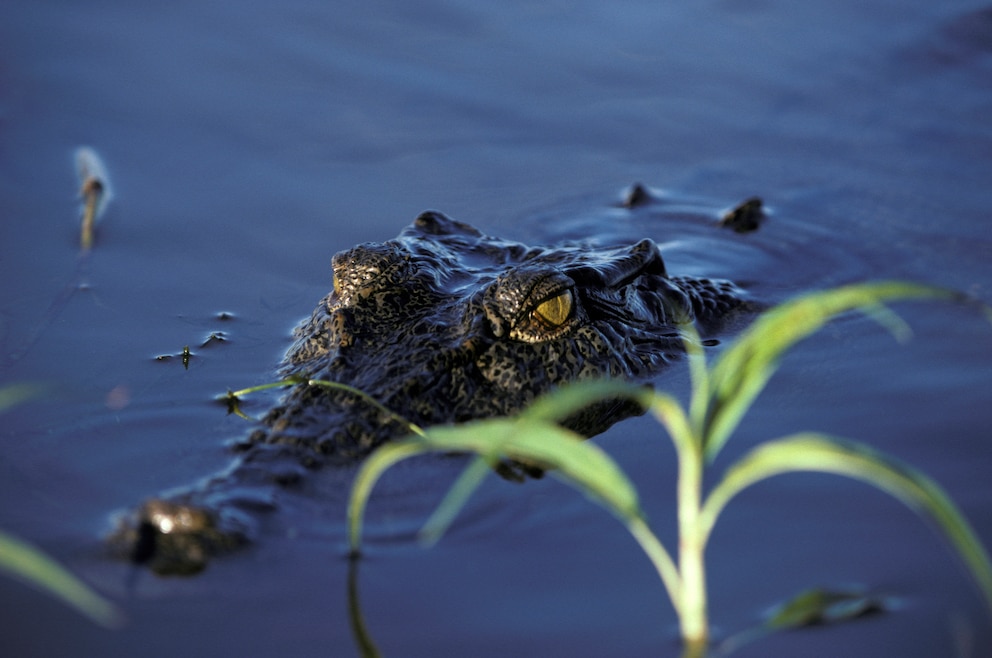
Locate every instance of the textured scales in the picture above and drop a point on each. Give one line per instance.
(441, 325)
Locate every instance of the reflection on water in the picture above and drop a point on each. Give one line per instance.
(363, 639)
(249, 144)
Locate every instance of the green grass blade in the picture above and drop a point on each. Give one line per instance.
(27, 563)
(570, 399)
(669, 413)
(359, 630)
(372, 469)
(232, 398)
(699, 376)
(454, 501)
(368, 399)
(743, 370)
(282, 383)
(661, 559)
(578, 462)
(547, 446)
(814, 452)
(14, 394)
(542, 444)
(34, 567)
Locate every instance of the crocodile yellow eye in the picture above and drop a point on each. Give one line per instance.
(556, 310)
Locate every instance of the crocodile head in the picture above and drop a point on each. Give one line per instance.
(445, 324)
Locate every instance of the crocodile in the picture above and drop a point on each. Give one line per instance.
(442, 324)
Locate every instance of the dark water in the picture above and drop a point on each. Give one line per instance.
(247, 144)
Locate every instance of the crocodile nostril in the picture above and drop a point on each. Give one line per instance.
(645, 245)
(433, 222)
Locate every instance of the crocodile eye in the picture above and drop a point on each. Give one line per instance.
(556, 310)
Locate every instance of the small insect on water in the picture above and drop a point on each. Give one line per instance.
(94, 189)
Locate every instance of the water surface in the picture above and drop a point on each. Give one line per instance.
(248, 143)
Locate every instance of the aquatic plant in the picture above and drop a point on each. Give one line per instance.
(721, 395)
(31, 565)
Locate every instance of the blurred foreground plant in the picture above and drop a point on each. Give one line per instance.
(720, 397)
(32, 566)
